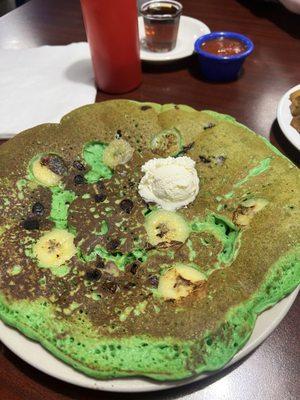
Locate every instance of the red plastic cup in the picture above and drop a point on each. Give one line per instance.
(112, 32)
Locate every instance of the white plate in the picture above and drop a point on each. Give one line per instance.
(284, 118)
(35, 355)
(189, 30)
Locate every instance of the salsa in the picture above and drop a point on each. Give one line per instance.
(224, 46)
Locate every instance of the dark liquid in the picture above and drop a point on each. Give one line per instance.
(161, 35)
(162, 9)
(224, 47)
(161, 22)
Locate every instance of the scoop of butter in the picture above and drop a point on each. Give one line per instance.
(170, 182)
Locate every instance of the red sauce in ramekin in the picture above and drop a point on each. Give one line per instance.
(224, 47)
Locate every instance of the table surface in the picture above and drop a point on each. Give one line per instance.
(272, 371)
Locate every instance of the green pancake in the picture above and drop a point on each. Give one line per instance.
(79, 272)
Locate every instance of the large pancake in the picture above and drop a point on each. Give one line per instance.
(114, 323)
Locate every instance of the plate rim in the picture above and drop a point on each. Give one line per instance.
(284, 128)
(164, 57)
(111, 385)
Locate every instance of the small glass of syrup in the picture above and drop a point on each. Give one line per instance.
(161, 20)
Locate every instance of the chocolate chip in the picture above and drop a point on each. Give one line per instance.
(153, 280)
(31, 224)
(118, 135)
(93, 275)
(219, 160)
(129, 285)
(100, 264)
(78, 165)
(209, 125)
(133, 268)
(100, 197)
(186, 149)
(144, 108)
(113, 244)
(55, 164)
(126, 205)
(79, 179)
(204, 159)
(100, 186)
(110, 286)
(131, 183)
(162, 230)
(38, 209)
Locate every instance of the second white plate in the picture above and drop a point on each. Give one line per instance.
(189, 30)
(284, 118)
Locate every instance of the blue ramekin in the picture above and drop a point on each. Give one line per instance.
(221, 68)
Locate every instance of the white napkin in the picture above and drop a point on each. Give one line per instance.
(41, 84)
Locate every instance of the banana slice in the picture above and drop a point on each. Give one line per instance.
(44, 175)
(167, 143)
(54, 248)
(117, 152)
(244, 213)
(166, 227)
(48, 170)
(179, 281)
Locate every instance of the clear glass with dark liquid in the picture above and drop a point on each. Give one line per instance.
(161, 20)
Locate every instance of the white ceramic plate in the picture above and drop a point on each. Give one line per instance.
(35, 355)
(284, 118)
(189, 30)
